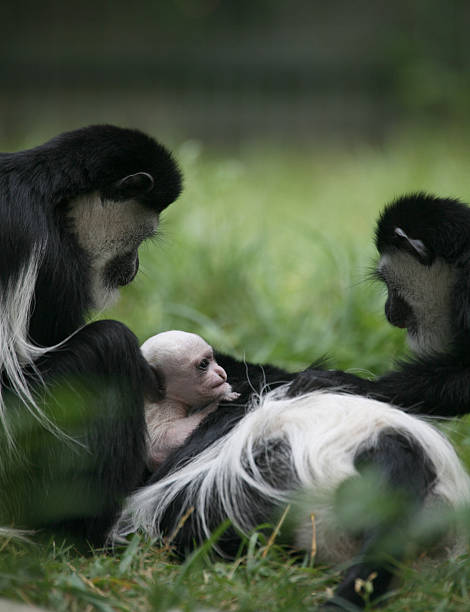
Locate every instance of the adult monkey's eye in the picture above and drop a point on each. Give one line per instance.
(203, 364)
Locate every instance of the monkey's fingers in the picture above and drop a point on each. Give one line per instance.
(232, 396)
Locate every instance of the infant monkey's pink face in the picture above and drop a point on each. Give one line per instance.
(207, 379)
(192, 375)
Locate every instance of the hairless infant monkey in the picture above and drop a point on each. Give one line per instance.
(193, 384)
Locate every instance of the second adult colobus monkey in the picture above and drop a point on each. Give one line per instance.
(424, 247)
(192, 384)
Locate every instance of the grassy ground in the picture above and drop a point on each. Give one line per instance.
(266, 255)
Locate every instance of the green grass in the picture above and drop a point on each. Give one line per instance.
(266, 255)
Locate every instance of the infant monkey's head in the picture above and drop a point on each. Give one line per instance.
(186, 366)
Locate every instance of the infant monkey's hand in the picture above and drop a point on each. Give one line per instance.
(229, 397)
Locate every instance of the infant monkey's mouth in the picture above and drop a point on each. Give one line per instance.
(216, 385)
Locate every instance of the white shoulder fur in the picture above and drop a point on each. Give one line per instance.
(323, 432)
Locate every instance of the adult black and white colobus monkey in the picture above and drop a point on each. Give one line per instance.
(74, 212)
(424, 247)
(248, 464)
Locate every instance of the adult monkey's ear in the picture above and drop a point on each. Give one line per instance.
(131, 186)
(413, 246)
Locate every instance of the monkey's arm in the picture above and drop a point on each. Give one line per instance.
(313, 379)
(437, 386)
(95, 394)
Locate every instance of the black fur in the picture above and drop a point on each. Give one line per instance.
(440, 223)
(95, 381)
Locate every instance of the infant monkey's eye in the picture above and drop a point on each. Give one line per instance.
(203, 364)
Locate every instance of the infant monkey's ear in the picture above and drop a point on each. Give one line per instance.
(154, 387)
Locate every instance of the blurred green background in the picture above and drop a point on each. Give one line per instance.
(227, 71)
